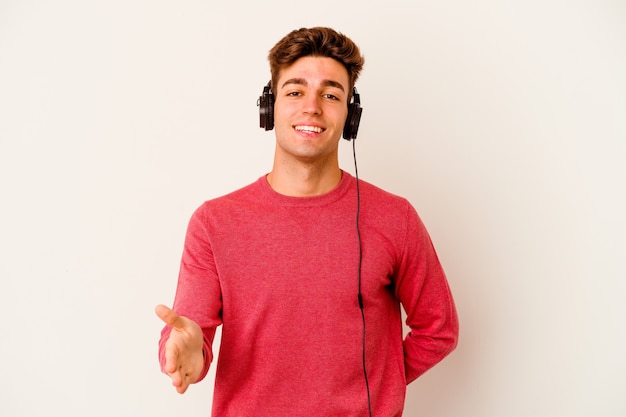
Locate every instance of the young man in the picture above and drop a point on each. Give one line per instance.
(306, 269)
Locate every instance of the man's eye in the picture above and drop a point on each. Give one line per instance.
(293, 94)
(331, 97)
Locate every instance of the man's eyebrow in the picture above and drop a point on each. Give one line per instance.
(331, 83)
(298, 81)
(325, 83)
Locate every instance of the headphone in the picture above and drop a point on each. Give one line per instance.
(266, 112)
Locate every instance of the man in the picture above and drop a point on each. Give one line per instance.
(307, 268)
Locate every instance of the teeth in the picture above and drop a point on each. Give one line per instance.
(309, 129)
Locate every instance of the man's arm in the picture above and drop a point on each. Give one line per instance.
(423, 290)
(187, 338)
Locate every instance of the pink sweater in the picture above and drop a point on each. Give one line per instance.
(280, 275)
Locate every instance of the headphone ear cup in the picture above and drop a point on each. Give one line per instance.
(266, 108)
(351, 128)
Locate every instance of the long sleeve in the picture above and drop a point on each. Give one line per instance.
(198, 295)
(423, 290)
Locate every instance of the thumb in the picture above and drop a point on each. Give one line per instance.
(169, 316)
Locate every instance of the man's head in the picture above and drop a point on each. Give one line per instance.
(313, 75)
(319, 42)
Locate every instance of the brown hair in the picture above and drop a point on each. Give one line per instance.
(317, 41)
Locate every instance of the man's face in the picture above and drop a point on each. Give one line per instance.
(310, 109)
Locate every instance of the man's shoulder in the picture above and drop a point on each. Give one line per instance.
(369, 190)
(248, 193)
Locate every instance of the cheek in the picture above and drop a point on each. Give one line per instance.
(341, 117)
(282, 122)
(281, 113)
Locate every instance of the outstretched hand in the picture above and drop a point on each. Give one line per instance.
(184, 360)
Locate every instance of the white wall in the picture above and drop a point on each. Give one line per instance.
(504, 122)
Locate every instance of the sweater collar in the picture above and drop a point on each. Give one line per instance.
(313, 201)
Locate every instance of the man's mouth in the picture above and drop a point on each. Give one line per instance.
(308, 129)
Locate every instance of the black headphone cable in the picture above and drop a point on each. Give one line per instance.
(360, 295)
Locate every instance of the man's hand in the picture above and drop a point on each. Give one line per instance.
(184, 360)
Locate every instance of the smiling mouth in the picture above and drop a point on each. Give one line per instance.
(309, 129)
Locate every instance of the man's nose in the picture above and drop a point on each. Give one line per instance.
(312, 105)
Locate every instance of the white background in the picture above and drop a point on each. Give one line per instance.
(502, 121)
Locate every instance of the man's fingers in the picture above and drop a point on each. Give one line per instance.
(171, 359)
(169, 316)
(180, 379)
(182, 386)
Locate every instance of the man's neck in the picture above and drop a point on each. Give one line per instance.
(303, 181)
